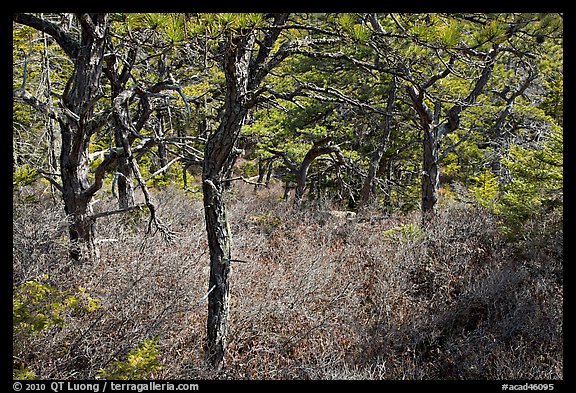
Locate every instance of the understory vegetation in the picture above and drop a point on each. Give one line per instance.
(313, 296)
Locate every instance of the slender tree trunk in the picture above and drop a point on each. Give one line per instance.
(118, 81)
(52, 156)
(269, 169)
(434, 131)
(162, 152)
(386, 171)
(243, 74)
(264, 171)
(219, 240)
(287, 188)
(218, 160)
(430, 172)
(433, 134)
(125, 189)
(124, 175)
(318, 149)
(368, 186)
(262, 166)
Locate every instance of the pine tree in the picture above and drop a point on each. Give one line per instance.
(537, 182)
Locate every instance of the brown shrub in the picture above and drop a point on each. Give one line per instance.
(310, 300)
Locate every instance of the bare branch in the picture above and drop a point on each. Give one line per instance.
(440, 75)
(50, 177)
(117, 211)
(164, 168)
(67, 42)
(245, 180)
(203, 299)
(170, 85)
(454, 112)
(26, 97)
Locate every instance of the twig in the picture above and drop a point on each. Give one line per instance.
(111, 212)
(163, 169)
(244, 180)
(205, 296)
(238, 260)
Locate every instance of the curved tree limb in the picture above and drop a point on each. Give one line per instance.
(67, 42)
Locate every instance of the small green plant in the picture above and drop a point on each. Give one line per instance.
(140, 363)
(23, 373)
(267, 221)
(485, 188)
(37, 306)
(404, 233)
(23, 176)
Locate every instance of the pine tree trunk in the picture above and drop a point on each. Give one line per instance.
(243, 73)
(218, 162)
(77, 208)
(319, 148)
(435, 130)
(219, 240)
(118, 79)
(124, 176)
(430, 173)
(125, 189)
(368, 186)
(82, 92)
(219, 237)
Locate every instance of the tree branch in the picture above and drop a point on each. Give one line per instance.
(111, 212)
(244, 180)
(49, 176)
(24, 96)
(454, 112)
(67, 42)
(164, 168)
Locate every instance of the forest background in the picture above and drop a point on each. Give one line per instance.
(288, 196)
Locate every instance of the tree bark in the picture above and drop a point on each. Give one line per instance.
(269, 169)
(376, 157)
(123, 175)
(430, 172)
(243, 74)
(125, 189)
(118, 79)
(261, 170)
(318, 149)
(78, 102)
(264, 170)
(434, 131)
(77, 122)
(218, 159)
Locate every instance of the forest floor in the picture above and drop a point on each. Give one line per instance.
(312, 296)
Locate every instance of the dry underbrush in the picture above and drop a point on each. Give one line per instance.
(374, 298)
